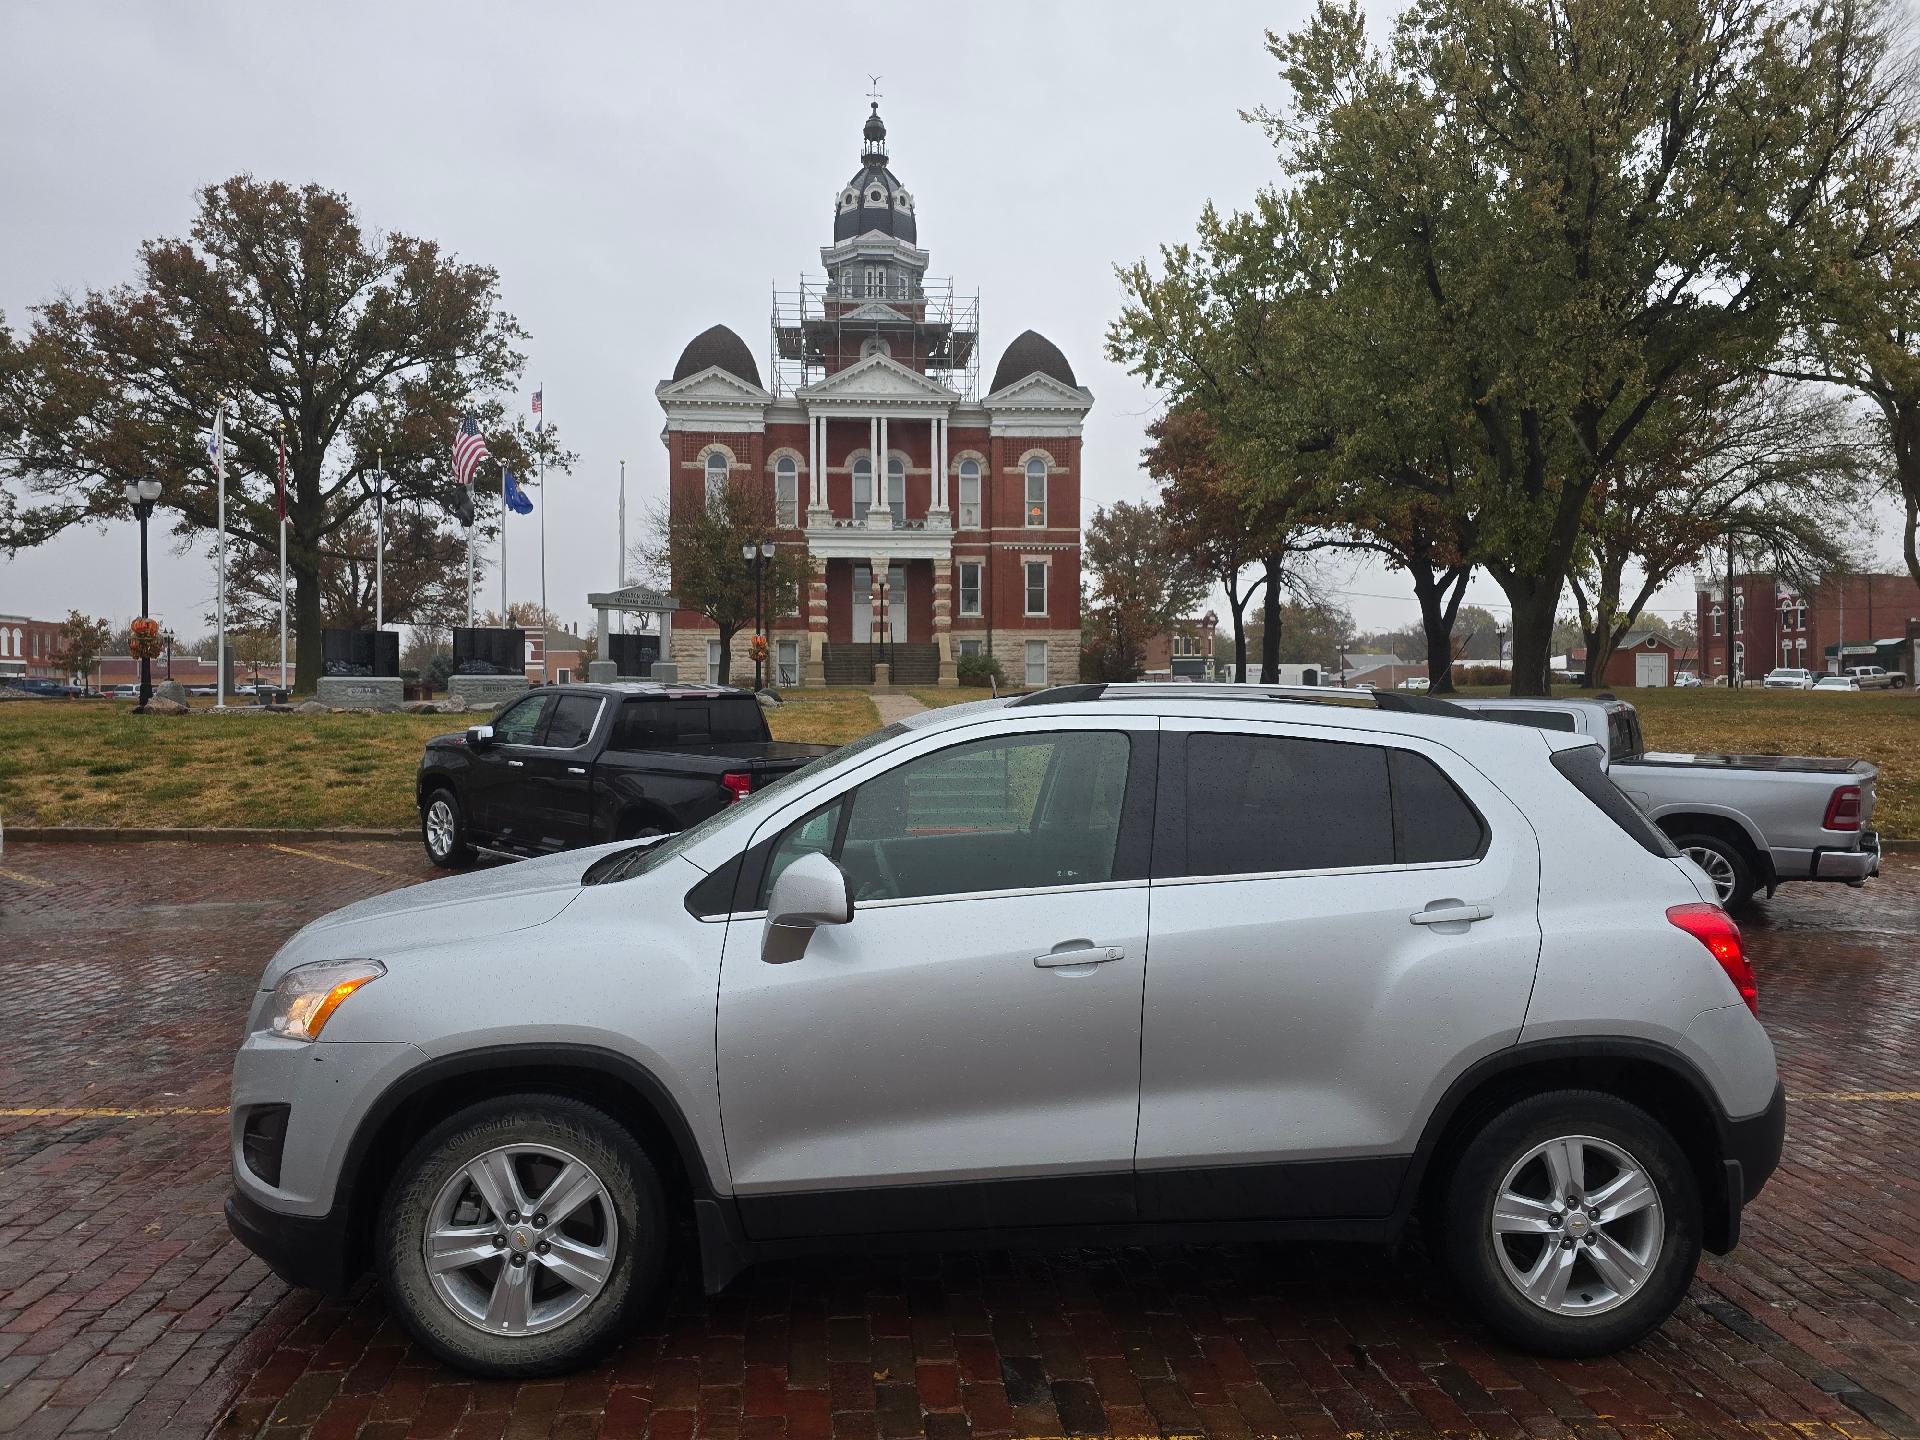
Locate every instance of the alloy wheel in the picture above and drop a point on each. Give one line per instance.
(521, 1239)
(440, 827)
(1719, 869)
(1578, 1225)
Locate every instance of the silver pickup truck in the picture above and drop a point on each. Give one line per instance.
(1749, 821)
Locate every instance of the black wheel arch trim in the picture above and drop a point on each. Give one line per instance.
(351, 1210)
(1748, 1148)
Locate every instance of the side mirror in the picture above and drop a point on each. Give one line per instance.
(479, 736)
(811, 892)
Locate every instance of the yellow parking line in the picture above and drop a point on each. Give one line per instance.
(336, 860)
(1870, 1096)
(105, 1112)
(34, 880)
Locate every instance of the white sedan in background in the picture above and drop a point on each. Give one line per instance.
(1837, 682)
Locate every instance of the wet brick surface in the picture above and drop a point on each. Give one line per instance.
(126, 1308)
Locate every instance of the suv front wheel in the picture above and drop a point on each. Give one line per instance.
(518, 1234)
(1573, 1223)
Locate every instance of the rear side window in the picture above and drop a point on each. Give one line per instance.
(662, 724)
(1581, 766)
(572, 722)
(1258, 803)
(1432, 821)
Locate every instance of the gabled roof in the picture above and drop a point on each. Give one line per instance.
(878, 377)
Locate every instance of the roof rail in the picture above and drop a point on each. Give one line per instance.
(1200, 690)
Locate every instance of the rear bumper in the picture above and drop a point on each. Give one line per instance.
(1749, 1155)
(308, 1251)
(1849, 865)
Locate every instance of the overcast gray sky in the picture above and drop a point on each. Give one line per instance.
(637, 173)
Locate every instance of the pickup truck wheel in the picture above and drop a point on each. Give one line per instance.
(1572, 1222)
(519, 1234)
(443, 829)
(1732, 876)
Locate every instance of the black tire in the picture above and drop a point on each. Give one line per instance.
(1467, 1239)
(1737, 865)
(639, 1209)
(457, 853)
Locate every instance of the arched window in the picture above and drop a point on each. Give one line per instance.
(897, 489)
(786, 491)
(1036, 491)
(716, 477)
(1716, 615)
(862, 487)
(969, 494)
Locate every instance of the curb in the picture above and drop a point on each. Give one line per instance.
(109, 835)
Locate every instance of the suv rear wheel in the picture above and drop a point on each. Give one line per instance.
(1573, 1223)
(518, 1234)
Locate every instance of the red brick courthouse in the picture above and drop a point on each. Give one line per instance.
(938, 522)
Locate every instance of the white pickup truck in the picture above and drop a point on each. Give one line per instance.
(1749, 821)
(1873, 677)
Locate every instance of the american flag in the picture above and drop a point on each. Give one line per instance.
(469, 449)
(539, 420)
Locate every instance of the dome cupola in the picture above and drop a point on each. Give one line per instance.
(874, 199)
(717, 346)
(1032, 353)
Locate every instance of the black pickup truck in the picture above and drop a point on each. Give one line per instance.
(574, 765)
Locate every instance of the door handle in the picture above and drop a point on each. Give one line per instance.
(576, 769)
(517, 764)
(1085, 955)
(1450, 914)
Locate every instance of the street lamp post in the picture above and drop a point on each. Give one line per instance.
(141, 495)
(757, 556)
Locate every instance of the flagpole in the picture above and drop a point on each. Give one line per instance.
(469, 576)
(379, 540)
(622, 571)
(546, 671)
(283, 555)
(220, 590)
(504, 510)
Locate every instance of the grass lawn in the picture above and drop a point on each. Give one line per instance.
(937, 699)
(98, 764)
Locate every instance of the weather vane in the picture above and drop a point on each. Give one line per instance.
(874, 94)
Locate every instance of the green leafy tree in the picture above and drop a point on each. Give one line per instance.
(695, 552)
(347, 341)
(1140, 580)
(83, 640)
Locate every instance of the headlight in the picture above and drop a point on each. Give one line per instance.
(307, 995)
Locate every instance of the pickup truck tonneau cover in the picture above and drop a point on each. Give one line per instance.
(1817, 764)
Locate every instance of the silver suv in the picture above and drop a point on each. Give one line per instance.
(1102, 964)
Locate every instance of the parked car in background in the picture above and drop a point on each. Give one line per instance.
(1873, 677)
(1417, 683)
(1838, 682)
(1749, 821)
(573, 765)
(125, 692)
(1685, 680)
(43, 686)
(1787, 678)
(1099, 965)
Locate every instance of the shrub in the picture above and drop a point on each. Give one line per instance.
(980, 670)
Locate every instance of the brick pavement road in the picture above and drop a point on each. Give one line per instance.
(125, 1307)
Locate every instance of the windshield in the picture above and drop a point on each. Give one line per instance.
(625, 864)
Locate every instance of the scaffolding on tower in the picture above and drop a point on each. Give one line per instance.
(823, 327)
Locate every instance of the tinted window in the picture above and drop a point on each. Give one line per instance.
(1433, 822)
(662, 724)
(520, 724)
(572, 722)
(1014, 813)
(1257, 803)
(1581, 767)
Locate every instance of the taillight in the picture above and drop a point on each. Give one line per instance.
(739, 782)
(1843, 810)
(1714, 928)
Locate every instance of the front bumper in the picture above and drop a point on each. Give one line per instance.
(308, 1251)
